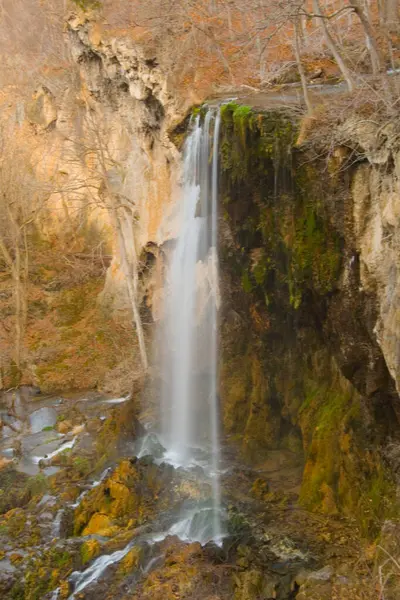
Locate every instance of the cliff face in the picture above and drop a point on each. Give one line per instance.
(376, 211)
(103, 130)
(309, 260)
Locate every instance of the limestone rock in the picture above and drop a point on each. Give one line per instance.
(42, 109)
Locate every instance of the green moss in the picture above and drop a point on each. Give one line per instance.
(274, 205)
(249, 139)
(60, 558)
(16, 523)
(81, 465)
(286, 255)
(89, 550)
(45, 572)
(38, 484)
(377, 502)
(323, 416)
(199, 111)
(314, 255)
(340, 472)
(87, 4)
(17, 591)
(246, 282)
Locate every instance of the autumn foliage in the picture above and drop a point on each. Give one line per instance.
(214, 44)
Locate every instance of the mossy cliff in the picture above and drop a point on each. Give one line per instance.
(301, 368)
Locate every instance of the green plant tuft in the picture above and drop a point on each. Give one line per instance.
(87, 4)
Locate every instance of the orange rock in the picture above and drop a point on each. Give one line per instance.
(101, 525)
(64, 426)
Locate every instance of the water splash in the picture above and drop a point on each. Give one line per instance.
(190, 334)
(56, 526)
(82, 579)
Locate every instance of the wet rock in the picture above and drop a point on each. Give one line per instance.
(315, 584)
(324, 574)
(150, 446)
(214, 553)
(8, 577)
(41, 419)
(132, 494)
(29, 391)
(90, 549)
(131, 561)
(179, 574)
(146, 460)
(287, 549)
(48, 501)
(45, 517)
(66, 526)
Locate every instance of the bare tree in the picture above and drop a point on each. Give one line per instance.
(300, 67)
(103, 170)
(330, 42)
(369, 35)
(21, 201)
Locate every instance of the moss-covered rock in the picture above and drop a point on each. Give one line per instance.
(49, 570)
(300, 367)
(130, 562)
(90, 549)
(177, 577)
(14, 489)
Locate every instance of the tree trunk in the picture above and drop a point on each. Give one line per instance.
(300, 68)
(369, 34)
(18, 305)
(332, 47)
(131, 275)
(385, 25)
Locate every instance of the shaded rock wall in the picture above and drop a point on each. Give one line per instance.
(302, 366)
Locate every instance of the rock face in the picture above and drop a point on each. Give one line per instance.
(376, 212)
(309, 334)
(102, 130)
(124, 82)
(42, 110)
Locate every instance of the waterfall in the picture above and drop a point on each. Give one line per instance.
(190, 333)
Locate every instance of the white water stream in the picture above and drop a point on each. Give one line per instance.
(190, 334)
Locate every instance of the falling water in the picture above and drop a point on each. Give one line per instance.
(190, 374)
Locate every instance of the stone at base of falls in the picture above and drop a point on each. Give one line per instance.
(42, 418)
(14, 487)
(136, 491)
(181, 572)
(7, 577)
(151, 446)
